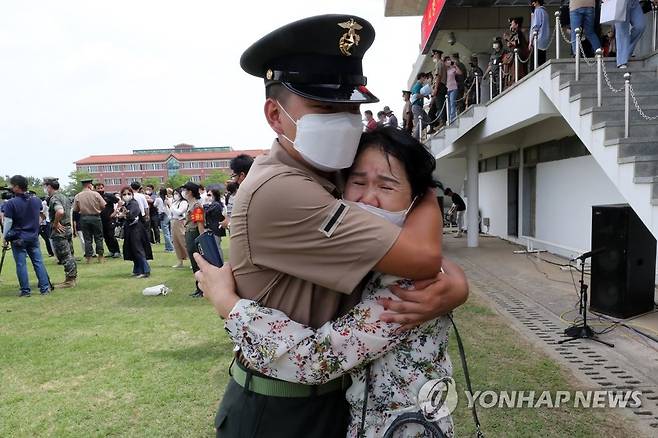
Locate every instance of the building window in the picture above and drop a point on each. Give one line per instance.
(112, 181)
(92, 169)
(220, 164)
(195, 178)
(133, 179)
(132, 167)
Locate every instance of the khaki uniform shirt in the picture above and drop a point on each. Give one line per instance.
(88, 202)
(295, 246)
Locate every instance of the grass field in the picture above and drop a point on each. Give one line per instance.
(103, 360)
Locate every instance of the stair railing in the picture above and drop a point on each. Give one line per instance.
(500, 78)
(516, 65)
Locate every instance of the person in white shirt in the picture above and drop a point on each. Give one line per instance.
(141, 199)
(177, 210)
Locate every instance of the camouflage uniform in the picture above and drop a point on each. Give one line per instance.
(61, 240)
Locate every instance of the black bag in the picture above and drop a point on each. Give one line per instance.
(646, 6)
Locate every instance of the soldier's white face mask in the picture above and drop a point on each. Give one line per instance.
(327, 142)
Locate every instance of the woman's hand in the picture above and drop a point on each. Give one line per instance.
(217, 284)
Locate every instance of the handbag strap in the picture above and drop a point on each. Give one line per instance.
(467, 377)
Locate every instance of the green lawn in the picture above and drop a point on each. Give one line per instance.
(103, 360)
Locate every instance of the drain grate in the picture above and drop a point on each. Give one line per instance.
(591, 360)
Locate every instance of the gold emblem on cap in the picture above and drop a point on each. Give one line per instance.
(349, 38)
(269, 74)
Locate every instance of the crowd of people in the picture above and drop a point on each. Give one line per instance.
(452, 79)
(137, 215)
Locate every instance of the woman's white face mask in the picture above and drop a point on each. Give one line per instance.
(176, 197)
(327, 142)
(394, 217)
(127, 198)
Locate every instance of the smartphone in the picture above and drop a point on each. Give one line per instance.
(207, 246)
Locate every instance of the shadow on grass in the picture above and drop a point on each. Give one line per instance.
(194, 353)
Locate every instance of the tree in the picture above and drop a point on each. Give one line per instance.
(152, 181)
(176, 180)
(216, 177)
(75, 186)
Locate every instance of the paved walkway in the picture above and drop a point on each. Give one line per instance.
(540, 301)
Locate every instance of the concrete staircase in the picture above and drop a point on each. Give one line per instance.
(631, 163)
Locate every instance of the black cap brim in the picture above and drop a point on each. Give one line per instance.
(333, 93)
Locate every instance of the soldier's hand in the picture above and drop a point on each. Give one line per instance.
(431, 299)
(59, 228)
(217, 285)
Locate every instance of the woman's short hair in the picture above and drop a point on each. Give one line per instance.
(418, 162)
(126, 189)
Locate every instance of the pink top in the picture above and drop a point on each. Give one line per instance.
(451, 82)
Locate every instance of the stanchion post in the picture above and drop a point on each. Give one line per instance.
(599, 76)
(447, 104)
(500, 78)
(578, 32)
(627, 104)
(491, 96)
(420, 127)
(535, 51)
(557, 34)
(516, 65)
(477, 88)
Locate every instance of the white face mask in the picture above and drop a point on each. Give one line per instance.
(127, 198)
(394, 217)
(327, 142)
(176, 197)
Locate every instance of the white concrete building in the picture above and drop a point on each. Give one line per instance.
(535, 159)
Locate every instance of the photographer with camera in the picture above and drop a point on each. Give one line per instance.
(21, 228)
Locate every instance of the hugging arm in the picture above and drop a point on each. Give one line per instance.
(279, 347)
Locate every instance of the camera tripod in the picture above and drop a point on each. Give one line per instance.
(583, 331)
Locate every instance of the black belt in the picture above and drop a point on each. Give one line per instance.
(87, 215)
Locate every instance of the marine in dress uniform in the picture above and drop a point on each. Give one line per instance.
(89, 204)
(59, 212)
(295, 245)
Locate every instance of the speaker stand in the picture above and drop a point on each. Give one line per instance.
(582, 331)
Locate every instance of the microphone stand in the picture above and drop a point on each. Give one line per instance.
(578, 331)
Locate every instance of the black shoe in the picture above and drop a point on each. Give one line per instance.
(25, 294)
(197, 294)
(47, 292)
(147, 275)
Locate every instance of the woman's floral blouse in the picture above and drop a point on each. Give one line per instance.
(400, 363)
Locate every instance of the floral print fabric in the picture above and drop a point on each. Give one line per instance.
(400, 363)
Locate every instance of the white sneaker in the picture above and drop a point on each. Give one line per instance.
(180, 265)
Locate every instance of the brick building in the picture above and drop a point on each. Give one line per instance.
(119, 170)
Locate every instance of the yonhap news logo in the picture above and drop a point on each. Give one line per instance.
(438, 398)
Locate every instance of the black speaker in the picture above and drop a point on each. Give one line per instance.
(623, 276)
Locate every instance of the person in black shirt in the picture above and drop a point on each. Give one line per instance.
(214, 217)
(108, 222)
(458, 207)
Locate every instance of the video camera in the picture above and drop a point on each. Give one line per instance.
(6, 193)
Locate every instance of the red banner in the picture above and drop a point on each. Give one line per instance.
(430, 18)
